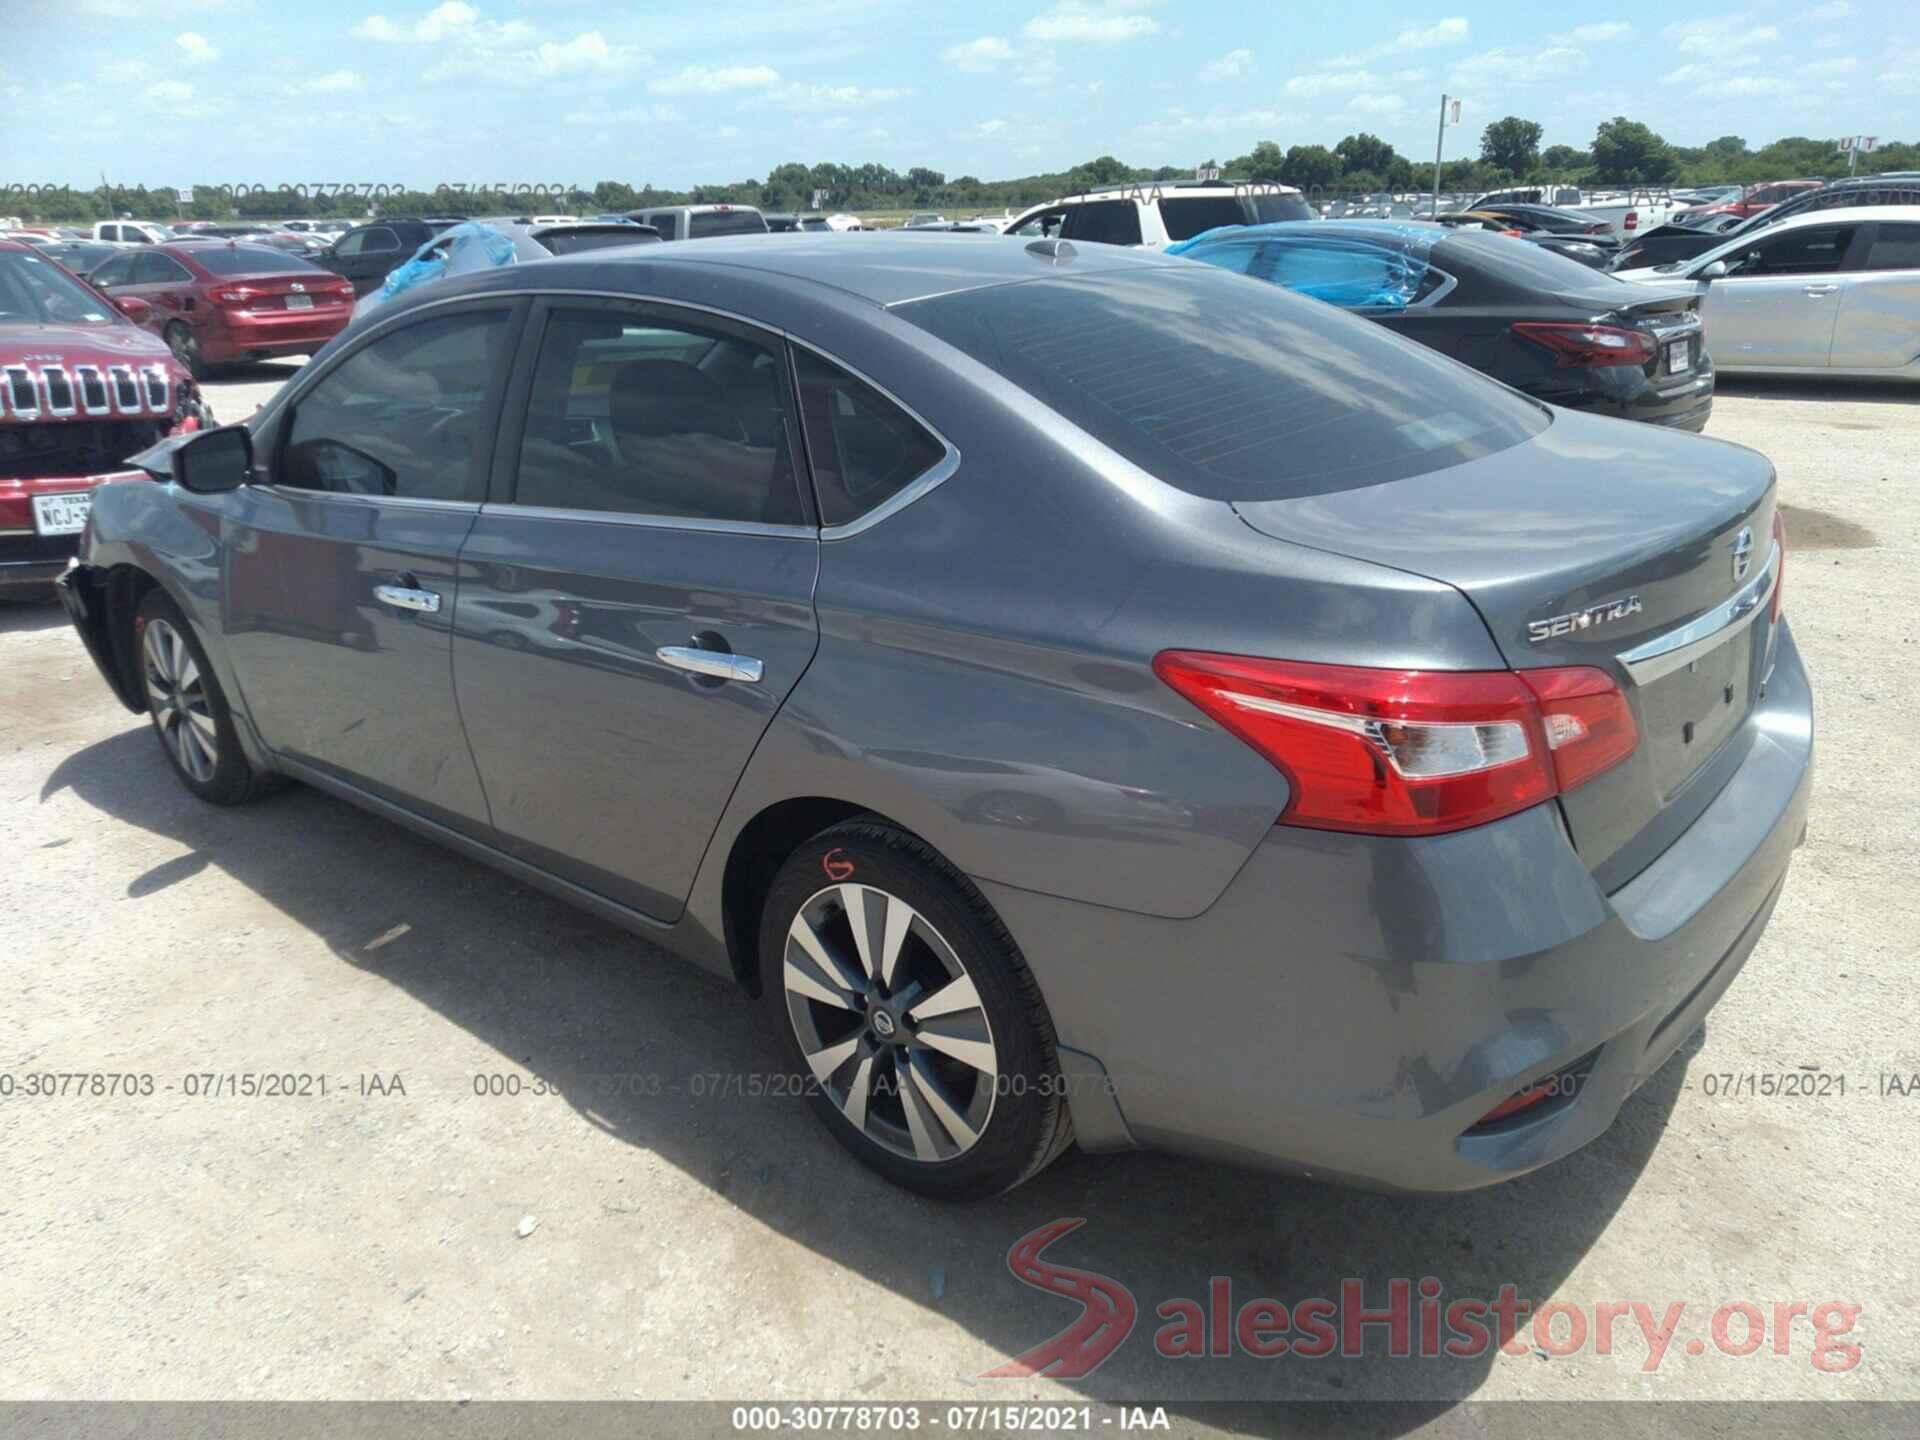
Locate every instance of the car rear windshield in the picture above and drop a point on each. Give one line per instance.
(1269, 209)
(246, 260)
(704, 225)
(1521, 265)
(1228, 387)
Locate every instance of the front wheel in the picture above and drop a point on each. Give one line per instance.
(188, 708)
(910, 1016)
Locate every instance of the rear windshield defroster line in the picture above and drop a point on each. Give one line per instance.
(1230, 388)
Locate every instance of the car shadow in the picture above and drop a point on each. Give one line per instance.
(29, 608)
(1803, 387)
(573, 1000)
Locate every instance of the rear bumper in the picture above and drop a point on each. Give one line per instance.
(293, 332)
(1627, 394)
(1352, 1006)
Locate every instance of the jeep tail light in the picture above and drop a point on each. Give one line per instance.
(1410, 752)
(1576, 344)
(1780, 572)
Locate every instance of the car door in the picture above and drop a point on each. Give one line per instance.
(638, 596)
(364, 256)
(341, 563)
(1780, 299)
(167, 285)
(1879, 324)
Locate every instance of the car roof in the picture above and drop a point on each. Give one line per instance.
(882, 269)
(1838, 214)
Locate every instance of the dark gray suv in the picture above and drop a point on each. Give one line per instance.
(1081, 694)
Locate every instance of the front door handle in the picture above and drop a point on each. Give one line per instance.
(716, 664)
(408, 597)
(1821, 291)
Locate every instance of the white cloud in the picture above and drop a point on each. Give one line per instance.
(452, 21)
(1380, 107)
(123, 72)
(982, 54)
(588, 51)
(1826, 14)
(1519, 66)
(1230, 66)
(181, 101)
(599, 113)
(334, 82)
(1596, 34)
(828, 97)
(1720, 35)
(1332, 82)
(1246, 125)
(708, 79)
(1828, 69)
(1452, 31)
(986, 130)
(196, 47)
(1092, 24)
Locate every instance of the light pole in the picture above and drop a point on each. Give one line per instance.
(1439, 139)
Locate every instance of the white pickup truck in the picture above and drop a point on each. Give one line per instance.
(1627, 212)
(131, 232)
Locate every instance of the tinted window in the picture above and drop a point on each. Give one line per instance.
(1187, 217)
(1104, 222)
(247, 260)
(116, 270)
(649, 417)
(403, 416)
(1228, 387)
(1521, 265)
(1896, 247)
(1816, 250)
(150, 268)
(573, 242)
(1269, 209)
(864, 448)
(702, 226)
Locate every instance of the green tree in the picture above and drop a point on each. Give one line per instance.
(1264, 162)
(1512, 144)
(1626, 150)
(1727, 147)
(1309, 166)
(1367, 153)
(1561, 158)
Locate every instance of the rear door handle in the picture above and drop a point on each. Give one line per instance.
(716, 664)
(1819, 291)
(408, 597)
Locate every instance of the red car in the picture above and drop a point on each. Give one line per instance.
(81, 389)
(218, 301)
(1759, 197)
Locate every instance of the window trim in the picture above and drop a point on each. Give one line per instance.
(505, 469)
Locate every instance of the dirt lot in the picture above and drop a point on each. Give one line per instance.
(367, 1244)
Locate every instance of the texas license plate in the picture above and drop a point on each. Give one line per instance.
(61, 514)
(1679, 356)
(299, 302)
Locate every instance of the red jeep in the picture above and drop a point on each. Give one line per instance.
(82, 387)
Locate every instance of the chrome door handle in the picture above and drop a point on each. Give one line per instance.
(406, 597)
(716, 664)
(1819, 291)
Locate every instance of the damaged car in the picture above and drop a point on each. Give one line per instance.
(82, 387)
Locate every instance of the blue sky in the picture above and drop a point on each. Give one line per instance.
(424, 92)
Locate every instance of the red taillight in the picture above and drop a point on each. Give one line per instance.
(1780, 572)
(1632, 221)
(238, 296)
(1575, 345)
(1410, 752)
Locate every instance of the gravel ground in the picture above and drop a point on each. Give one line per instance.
(404, 1237)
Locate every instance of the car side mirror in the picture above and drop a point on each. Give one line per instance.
(1716, 271)
(134, 308)
(214, 461)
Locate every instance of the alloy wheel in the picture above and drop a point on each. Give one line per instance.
(890, 1022)
(177, 695)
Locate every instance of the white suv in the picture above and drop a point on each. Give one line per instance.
(1153, 214)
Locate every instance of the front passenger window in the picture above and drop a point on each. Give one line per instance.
(1817, 250)
(403, 416)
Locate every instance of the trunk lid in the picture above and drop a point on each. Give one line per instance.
(1595, 540)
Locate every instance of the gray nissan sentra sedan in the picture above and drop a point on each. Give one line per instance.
(1079, 694)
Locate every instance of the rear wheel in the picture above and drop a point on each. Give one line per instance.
(188, 708)
(910, 1016)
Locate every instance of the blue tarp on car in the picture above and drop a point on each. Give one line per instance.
(463, 248)
(1380, 268)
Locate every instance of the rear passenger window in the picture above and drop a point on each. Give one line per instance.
(404, 416)
(1104, 222)
(1188, 217)
(864, 448)
(1896, 247)
(639, 414)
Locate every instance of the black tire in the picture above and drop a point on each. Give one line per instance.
(186, 349)
(1025, 1124)
(228, 777)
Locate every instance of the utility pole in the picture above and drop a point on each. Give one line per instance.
(1439, 139)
